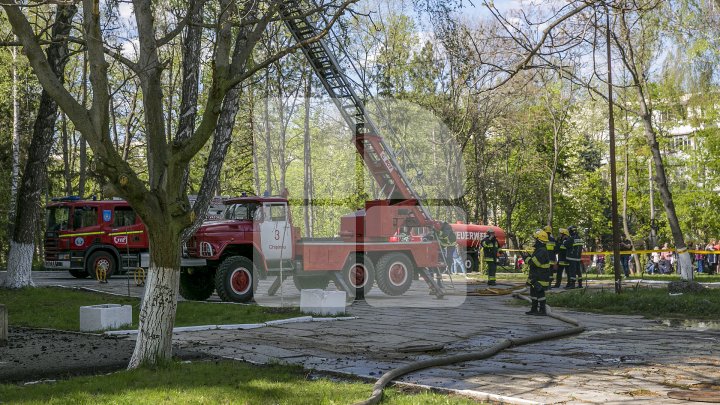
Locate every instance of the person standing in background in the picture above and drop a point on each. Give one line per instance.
(490, 247)
(625, 245)
(561, 247)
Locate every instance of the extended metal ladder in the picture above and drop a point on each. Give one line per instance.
(377, 154)
(379, 157)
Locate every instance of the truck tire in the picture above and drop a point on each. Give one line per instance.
(103, 259)
(359, 273)
(196, 284)
(236, 279)
(471, 262)
(311, 282)
(79, 273)
(394, 273)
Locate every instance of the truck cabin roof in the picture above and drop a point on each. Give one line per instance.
(85, 203)
(254, 199)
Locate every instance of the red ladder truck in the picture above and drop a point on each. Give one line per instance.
(257, 238)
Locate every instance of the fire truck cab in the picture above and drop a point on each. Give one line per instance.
(84, 235)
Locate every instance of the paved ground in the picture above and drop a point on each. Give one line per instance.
(619, 359)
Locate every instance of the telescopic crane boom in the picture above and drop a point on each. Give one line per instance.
(376, 153)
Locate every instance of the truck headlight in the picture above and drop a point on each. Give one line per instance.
(64, 256)
(206, 249)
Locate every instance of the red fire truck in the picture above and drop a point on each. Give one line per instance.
(383, 244)
(83, 235)
(389, 242)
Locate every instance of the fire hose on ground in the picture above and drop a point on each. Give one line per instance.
(386, 378)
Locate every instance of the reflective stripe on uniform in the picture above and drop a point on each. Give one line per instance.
(544, 283)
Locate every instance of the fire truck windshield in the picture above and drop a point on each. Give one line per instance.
(57, 218)
(242, 212)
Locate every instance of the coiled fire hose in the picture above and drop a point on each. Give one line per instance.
(386, 378)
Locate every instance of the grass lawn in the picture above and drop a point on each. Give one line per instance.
(209, 383)
(59, 308)
(651, 302)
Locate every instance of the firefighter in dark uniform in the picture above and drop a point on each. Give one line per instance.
(446, 237)
(539, 276)
(561, 246)
(574, 255)
(551, 247)
(490, 248)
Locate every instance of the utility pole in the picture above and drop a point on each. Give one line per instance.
(613, 171)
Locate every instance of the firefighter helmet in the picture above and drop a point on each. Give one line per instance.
(564, 231)
(548, 229)
(541, 235)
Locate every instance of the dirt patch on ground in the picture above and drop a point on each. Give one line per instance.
(33, 354)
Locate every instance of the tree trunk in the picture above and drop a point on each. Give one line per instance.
(66, 155)
(307, 162)
(15, 170)
(553, 175)
(626, 188)
(628, 58)
(256, 162)
(82, 170)
(157, 311)
(268, 145)
(684, 259)
(34, 177)
(282, 162)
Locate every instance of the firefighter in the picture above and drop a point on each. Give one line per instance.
(490, 248)
(446, 237)
(551, 247)
(539, 276)
(574, 254)
(561, 246)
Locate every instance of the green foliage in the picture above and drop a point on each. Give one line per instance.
(210, 383)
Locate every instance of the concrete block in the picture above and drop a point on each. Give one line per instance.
(3, 325)
(322, 302)
(104, 317)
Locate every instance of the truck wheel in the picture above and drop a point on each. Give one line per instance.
(101, 259)
(79, 273)
(311, 282)
(359, 273)
(394, 273)
(236, 279)
(471, 262)
(196, 284)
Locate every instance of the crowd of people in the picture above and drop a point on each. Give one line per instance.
(663, 260)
